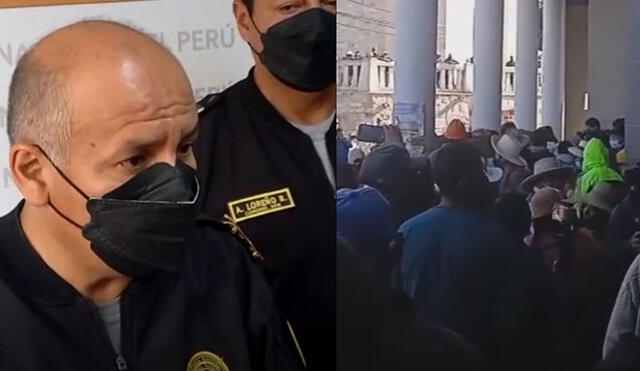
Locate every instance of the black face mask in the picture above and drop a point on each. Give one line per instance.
(301, 51)
(141, 226)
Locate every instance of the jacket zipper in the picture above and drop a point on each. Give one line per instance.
(120, 361)
(126, 335)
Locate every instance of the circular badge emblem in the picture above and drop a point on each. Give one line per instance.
(206, 361)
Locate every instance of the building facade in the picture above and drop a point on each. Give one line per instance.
(363, 24)
(590, 65)
(366, 83)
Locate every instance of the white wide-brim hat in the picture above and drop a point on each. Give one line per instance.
(546, 167)
(509, 148)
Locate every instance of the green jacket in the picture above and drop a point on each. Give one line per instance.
(595, 167)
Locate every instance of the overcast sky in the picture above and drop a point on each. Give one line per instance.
(460, 28)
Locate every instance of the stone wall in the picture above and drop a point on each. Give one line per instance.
(360, 107)
(363, 24)
(357, 107)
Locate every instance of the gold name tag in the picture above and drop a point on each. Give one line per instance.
(262, 204)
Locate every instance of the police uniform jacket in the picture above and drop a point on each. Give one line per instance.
(215, 314)
(256, 166)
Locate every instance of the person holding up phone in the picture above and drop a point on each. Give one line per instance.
(371, 133)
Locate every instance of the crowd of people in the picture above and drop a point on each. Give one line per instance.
(506, 250)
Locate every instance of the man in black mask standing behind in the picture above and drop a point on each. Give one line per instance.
(104, 264)
(266, 155)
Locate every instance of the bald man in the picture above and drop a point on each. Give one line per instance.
(104, 265)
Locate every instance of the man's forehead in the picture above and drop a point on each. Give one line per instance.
(126, 91)
(136, 131)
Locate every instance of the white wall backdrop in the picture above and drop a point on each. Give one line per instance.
(201, 33)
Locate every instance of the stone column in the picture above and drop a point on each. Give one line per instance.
(527, 38)
(632, 131)
(415, 56)
(552, 68)
(487, 50)
(576, 69)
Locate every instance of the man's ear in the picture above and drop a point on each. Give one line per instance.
(242, 15)
(245, 25)
(27, 165)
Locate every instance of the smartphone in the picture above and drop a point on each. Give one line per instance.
(370, 133)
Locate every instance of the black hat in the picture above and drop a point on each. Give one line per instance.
(457, 163)
(385, 167)
(542, 135)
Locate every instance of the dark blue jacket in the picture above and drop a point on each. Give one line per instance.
(462, 271)
(217, 306)
(246, 149)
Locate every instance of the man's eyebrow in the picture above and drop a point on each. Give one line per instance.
(137, 143)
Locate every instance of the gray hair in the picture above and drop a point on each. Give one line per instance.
(38, 112)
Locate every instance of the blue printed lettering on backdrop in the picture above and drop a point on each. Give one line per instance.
(10, 53)
(207, 39)
(201, 92)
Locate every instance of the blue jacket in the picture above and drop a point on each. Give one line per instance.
(216, 310)
(462, 271)
(246, 149)
(447, 265)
